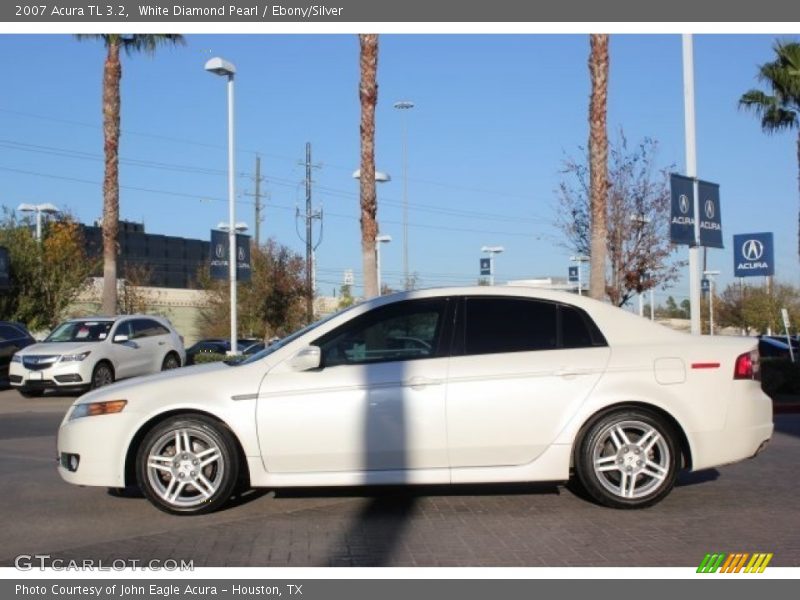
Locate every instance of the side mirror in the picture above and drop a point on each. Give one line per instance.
(120, 338)
(306, 359)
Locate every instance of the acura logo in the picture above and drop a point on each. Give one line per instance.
(240, 254)
(709, 209)
(219, 251)
(752, 250)
(683, 203)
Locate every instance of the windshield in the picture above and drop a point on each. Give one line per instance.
(80, 331)
(288, 339)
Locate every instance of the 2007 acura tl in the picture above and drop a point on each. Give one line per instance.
(427, 387)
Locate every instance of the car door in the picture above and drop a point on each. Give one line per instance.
(375, 404)
(130, 356)
(520, 369)
(156, 340)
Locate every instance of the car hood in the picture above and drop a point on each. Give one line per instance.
(51, 348)
(192, 381)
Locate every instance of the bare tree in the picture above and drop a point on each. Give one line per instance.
(598, 159)
(636, 217)
(368, 94)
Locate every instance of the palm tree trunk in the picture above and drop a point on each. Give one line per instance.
(112, 74)
(798, 187)
(598, 163)
(368, 94)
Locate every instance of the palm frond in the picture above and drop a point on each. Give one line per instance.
(757, 101)
(148, 43)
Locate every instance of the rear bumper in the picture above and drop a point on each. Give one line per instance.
(748, 427)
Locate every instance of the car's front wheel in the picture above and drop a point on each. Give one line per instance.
(188, 465)
(171, 361)
(102, 375)
(628, 459)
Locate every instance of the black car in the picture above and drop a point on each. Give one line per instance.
(13, 337)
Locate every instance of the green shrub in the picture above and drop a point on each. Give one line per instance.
(209, 357)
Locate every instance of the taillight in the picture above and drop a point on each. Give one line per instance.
(747, 366)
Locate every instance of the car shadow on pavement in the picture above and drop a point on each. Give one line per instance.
(687, 478)
(788, 424)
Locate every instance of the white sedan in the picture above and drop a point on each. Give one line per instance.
(440, 386)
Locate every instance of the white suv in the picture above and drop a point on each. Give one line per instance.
(88, 353)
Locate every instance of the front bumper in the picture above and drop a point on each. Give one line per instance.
(100, 443)
(69, 375)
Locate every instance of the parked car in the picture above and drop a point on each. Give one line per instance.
(89, 353)
(13, 338)
(246, 346)
(775, 347)
(458, 385)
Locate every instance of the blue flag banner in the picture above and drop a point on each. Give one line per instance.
(753, 255)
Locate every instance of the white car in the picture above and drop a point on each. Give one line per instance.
(499, 385)
(89, 353)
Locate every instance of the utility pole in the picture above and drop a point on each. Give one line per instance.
(258, 200)
(258, 206)
(309, 245)
(308, 239)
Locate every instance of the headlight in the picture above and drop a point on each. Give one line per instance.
(74, 357)
(16, 358)
(93, 409)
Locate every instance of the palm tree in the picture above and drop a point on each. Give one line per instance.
(598, 163)
(779, 108)
(112, 74)
(368, 94)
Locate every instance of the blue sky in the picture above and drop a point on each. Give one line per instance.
(494, 117)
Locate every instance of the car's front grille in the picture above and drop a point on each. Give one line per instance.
(38, 362)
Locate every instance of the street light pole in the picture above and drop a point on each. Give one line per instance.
(710, 275)
(580, 259)
(491, 251)
(691, 171)
(221, 67)
(381, 239)
(405, 105)
(38, 210)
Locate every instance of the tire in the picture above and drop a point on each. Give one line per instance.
(31, 393)
(171, 361)
(628, 459)
(103, 374)
(205, 473)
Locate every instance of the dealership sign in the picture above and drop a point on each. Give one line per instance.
(753, 255)
(219, 255)
(681, 230)
(486, 266)
(573, 275)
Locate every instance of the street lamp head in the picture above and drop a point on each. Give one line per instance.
(220, 66)
(404, 105)
(239, 227)
(45, 208)
(383, 238)
(380, 176)
(493, 249)
(711, 273)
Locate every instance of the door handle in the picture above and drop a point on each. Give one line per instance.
(419, 383)
(161, 343)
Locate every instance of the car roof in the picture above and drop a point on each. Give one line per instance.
(619, 326)
(115, 318)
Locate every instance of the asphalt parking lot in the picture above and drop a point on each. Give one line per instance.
(748, 507)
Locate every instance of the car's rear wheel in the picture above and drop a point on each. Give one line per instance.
(102, 375)
(188, 465)
(171, 361)
(628, 459)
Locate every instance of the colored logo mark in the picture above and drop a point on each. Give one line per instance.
(739, 562)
